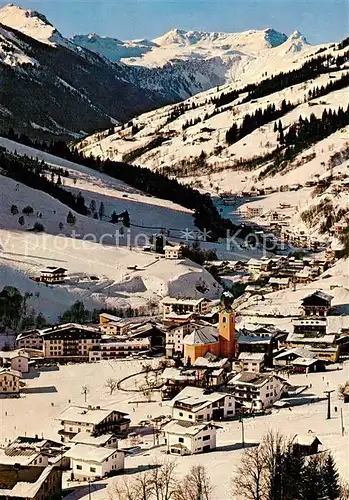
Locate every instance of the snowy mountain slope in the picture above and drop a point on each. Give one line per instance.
(126, 274)
(147, 214)
(208, 134)
(33, 24)
(25, 254)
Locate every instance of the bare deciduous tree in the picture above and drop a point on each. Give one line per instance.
(111, 384)
(249, 481)
(195, 486)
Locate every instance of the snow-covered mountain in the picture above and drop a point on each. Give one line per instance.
(52, 88)
(184, 63)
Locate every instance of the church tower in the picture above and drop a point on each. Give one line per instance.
(227, 334)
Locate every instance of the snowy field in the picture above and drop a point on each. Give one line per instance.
(49, 393)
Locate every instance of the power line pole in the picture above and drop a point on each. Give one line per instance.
(342, 424)
(328, 393)
(242, 428)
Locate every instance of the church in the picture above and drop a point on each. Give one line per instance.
(207, 339)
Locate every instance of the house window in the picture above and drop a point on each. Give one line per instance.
(181, 414)
(92, 469)
(181, 440)
(206, 438)
(190, 416)
(79, 467)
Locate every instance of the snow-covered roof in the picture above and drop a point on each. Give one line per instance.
(256, 379)
(13, 354)
(251, 356)
(210, 363)
(86, 438)
(181, 427)
(302, 353)
(178, 374)
(304, 361)
(197, 398)
(320, 294)
(201, 335)
(9, 371)
(91, 415)
(66, 326)
(305, 440)
(88, 453)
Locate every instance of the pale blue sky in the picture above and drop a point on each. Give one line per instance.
(320, 21)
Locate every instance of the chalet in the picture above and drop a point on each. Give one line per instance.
(9, 381)
(303, 276)
(185, 438)
(34, 451)
(285, 358)
(306, 445)
(108, 349)
(279, 283)
(107, 440)
(173, 252)
(250, 343)
(175, 379)
(90, 462)
(69, 342)
(252, 211)
(92, 419)
(256, 391)
(325, 347)
(179, 307)
(16, 360)
(53, 275)
(316, 304)
(310, 327)
(251, 361)
(194, 404)
(149, 330)
(30, 483)
(31, 340)
(257, 266)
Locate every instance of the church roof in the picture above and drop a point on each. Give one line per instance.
(202, 335)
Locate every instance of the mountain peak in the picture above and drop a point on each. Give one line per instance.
(31, 23)
(297, 35)
(274, 38)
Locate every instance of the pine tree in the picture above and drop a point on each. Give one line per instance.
(281, 133)
(114, 218)
(70, 219)
(126, 219)
(331, 479)
(101, 210)
(14, 210)
(92, 206)
(21, 220)
(275, 127)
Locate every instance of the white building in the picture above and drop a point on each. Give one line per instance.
(251, 361)
(175, 335)
(30, 340)
(175, 252)
(194, 404)
(256, 391)
(120, 348)
(183, 438)
(90, 462)
(172, 306)
(95, 420)
(16, 360)
(9, 381)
